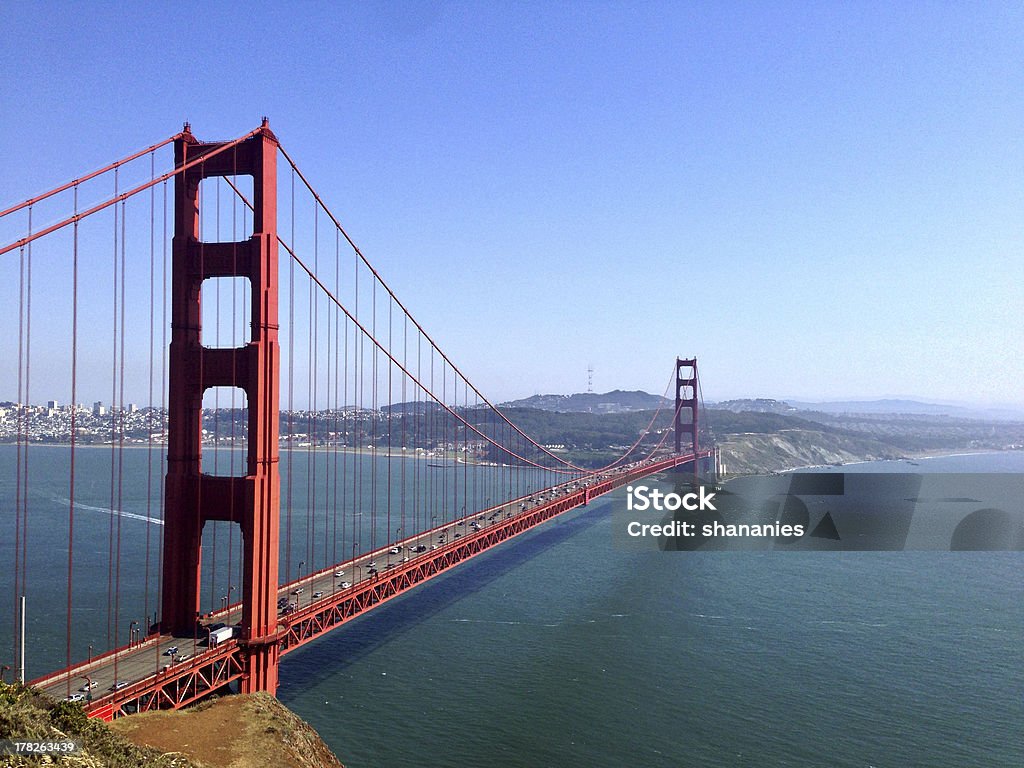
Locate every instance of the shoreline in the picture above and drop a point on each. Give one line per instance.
(909, 457)
(413, 453)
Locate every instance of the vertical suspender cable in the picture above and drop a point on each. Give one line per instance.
(215, 338)
(388, 532)
(74, 411)
(231, 580)
(25, 463)
(21, 446)
(149, 402)
(111, 640)
(163, 411)
(291, 395)
(121, 430)
(337, 405)
(310, 521)
(376, 419)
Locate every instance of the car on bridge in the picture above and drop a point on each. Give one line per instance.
(338, 574)
(317, 594)
(346, 584)
(76, 697)
(89, 685)
(297, 591)
(171, 651)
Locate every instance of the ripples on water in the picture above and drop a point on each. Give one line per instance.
(559, 650)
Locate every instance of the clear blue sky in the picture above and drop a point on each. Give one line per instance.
(819, 200)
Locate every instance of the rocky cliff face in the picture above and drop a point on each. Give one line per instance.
(793, 448)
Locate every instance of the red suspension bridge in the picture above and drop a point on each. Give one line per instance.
(210, 281)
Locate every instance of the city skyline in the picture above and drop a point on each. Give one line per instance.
(820, 203)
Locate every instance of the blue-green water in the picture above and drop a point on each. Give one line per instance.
(560, 650)
(361, 502)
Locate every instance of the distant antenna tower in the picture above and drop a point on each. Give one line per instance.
(590, 378)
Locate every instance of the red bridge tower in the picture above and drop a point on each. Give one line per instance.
(686, 400)
(193, 498)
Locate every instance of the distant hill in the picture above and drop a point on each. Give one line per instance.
(882, 406)
(757, 405)
(617, 401)
(914, 407)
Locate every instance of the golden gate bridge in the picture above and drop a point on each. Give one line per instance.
(396, 467)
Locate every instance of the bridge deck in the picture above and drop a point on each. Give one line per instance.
(150, 677)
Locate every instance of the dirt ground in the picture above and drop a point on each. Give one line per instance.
(232, 732)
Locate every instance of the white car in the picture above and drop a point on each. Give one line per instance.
(346, 584)
(338, 574)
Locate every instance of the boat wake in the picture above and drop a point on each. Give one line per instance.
(113, 512)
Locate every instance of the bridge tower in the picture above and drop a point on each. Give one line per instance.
(686, 400)
(192, 498)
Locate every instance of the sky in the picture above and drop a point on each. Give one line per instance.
(818, 200)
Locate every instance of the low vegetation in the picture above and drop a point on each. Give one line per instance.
(251, 731)
(26, 714)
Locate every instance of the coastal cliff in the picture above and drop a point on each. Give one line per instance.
(243, 731)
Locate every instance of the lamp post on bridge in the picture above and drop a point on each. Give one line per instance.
(132, 632)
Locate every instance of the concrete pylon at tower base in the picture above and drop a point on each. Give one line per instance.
(191, 497)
